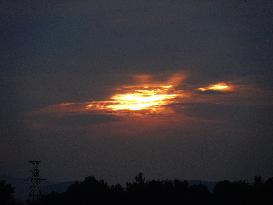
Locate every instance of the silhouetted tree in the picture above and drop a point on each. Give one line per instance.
(88, 191)
(228, 192)
(6, 193)
(267, 191)
(142, 191)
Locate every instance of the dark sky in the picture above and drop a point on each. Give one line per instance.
(74, 51)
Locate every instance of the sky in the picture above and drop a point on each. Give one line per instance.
(58, 57)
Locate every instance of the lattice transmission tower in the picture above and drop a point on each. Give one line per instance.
(35, 181)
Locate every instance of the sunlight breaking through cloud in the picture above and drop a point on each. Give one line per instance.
(149, 97)
(218, 87)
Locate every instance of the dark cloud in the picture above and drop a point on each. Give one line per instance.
(214, 92)
(76, 51)
(74, 120)
(235, 114)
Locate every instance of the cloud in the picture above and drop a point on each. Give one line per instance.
(84, 119)
(213, 92)
(69, 121)
(81, 51)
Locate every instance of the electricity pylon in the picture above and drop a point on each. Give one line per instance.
(35, 181)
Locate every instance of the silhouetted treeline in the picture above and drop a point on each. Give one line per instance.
(6, 193)
(94, 191)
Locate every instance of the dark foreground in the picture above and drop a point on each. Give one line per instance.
(93, 191)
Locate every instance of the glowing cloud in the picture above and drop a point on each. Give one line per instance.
(148, 97)
(144, 95)
(218, 87)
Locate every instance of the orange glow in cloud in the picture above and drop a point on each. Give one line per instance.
(147, 97)
(218, 87)
(144, 95)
